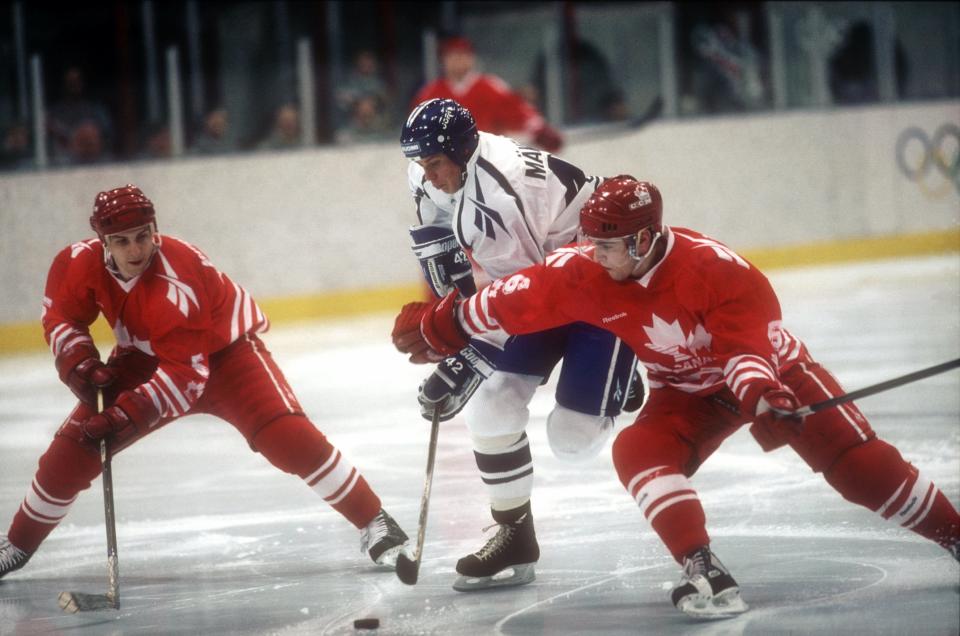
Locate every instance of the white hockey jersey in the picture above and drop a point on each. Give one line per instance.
(516, 206)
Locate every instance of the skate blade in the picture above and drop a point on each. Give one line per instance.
(508, 577)
(388, 559)
(727, 604)
(73, 602)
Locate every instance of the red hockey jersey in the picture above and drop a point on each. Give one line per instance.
(179, 310)
(701, 319)
(494, 107)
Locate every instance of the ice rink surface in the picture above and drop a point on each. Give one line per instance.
(213, 540)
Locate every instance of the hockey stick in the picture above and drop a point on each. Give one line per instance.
(74, 602)
(409, 569)
(873, 389)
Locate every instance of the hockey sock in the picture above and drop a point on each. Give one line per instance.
(294, 445)
(65, 470)
(672, 508)
(876, 476)
(506, 468)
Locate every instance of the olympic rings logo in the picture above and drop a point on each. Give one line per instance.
(918, 155)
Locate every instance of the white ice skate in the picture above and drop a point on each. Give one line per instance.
(11, 557)
(706, 590)
(383, 540)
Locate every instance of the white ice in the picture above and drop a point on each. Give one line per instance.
(213, 540)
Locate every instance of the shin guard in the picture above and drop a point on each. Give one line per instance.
(876, 476)
(294, 445)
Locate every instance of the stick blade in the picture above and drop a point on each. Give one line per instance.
(73, 602)
(408, 570)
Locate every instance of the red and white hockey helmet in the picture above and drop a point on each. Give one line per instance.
(121, 209)
(620, 207)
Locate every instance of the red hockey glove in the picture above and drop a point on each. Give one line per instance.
(130, 414)
(548, 138)
(406, 333)
(775, 421)
(80, 368)
(429, 332)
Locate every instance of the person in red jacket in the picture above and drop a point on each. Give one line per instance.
(187, 342)
(706, 325)
(496, 108)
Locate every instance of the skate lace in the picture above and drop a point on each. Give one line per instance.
(697, 563)
(10, 555)
(375, 530)
(497, 541)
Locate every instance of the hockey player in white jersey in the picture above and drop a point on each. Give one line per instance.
(484, 200)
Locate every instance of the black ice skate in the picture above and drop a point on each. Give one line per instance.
(508, 557)
(706, 589)
(383, 540)
(11, 557)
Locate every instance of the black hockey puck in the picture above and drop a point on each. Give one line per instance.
(366, 623)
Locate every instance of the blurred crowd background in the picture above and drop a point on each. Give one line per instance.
(93, 82)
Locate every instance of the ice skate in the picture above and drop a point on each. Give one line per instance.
(507, 559)
(383, 540)
(11, 557)
(706, 590)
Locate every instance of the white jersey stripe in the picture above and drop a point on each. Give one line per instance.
(354, 478)
(273, 378)
(174, 390)
(843, 410)
(640, 477)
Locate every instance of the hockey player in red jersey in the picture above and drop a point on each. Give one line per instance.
(186, 343)
(496, 107)
(706, 324)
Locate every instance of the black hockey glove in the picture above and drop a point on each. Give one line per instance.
(445, 265)
(453, 383)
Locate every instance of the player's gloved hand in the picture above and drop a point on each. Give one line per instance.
(130, 414)
(775, 419)
(445, 265)
(429, 332)
(453, 383)
(80, 368)
(548, 138)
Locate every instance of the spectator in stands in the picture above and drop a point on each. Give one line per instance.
(214, 137)
(727, 61)
(16, 152)
(158, 144)
(363, 79)
(367, 122)
(496, 108)
(286, 129)
(852, 71)
(594, 95)
(80, 128)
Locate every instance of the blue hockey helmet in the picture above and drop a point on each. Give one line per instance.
(440, 126)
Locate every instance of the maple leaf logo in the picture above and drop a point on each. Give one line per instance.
(669, 339)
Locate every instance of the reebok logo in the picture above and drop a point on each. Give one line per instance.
(607, 319)
(180, 294)
(486, 218)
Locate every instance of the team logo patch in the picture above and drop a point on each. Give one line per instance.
(643, 197)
